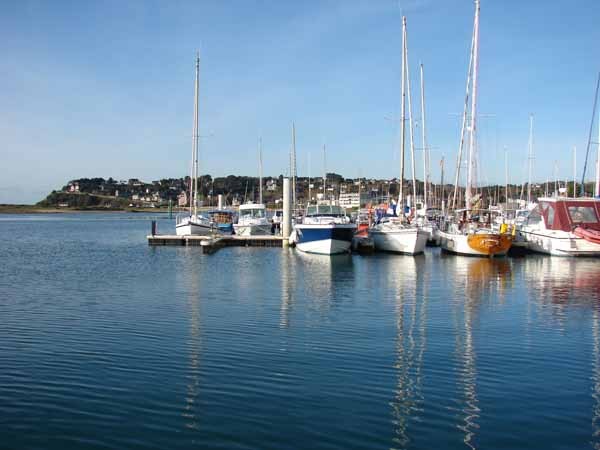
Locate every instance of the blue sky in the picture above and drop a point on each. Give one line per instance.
(106, 88)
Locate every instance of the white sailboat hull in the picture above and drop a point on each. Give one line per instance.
(411, 241)
(188, 226)
(559, 243)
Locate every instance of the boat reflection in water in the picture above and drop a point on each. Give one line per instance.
(595, 379)
(189, 272)
(288, 287)
(405, 276)
(480, 280)
(326, 274)
(562, 281)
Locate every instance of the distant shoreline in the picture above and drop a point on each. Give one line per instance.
(33, 209)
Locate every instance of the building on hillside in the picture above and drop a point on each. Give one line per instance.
(353, 199)
(271, 185)
(182, 199)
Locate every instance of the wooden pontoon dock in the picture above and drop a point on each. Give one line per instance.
(210, 244)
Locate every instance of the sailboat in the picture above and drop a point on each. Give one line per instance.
(394, 233)
(252, 220)
(465, 235)
(425, 215)
(193, 223)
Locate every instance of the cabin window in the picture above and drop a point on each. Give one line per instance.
(550, 215)
(324, 210)
(533, 217)
(255, 213)
(582, 214)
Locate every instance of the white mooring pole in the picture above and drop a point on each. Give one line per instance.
(287, 217)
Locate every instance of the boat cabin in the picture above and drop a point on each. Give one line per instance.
(566, 214)
(221, 216)
(252, 210)
(325, 210)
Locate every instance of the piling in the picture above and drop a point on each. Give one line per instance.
(286, 225)
(220, 201)
(153, 228)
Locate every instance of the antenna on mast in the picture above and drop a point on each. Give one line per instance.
(260, 188)
(402, 119)
(530, 158)
(293, 166)
(464, 127)
(589, 143)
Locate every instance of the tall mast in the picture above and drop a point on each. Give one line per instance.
(530, 158)
(574, 171)
(506, 176)
(442, 188)
(309, 186)
(473, 130)
(293, 168)
(424, 141)
(589, 143)
(463, 127)
(324, 173)
(402, 119)
(410, 125)
(597, 189)
(260, 192)
(194, 173)
(555, 178)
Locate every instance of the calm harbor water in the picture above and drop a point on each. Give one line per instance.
(106, 342)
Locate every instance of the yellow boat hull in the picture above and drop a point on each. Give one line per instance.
(490, 243)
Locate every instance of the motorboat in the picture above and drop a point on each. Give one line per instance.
(252, 220)
(324, 229)
(563, 226)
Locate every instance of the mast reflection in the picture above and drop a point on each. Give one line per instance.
(595, 379)
(405, 274)
(190, 272)
(288, 287)
(478, 278)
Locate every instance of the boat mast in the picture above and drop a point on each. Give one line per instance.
(463, 127)
(309, 188)
(194, 173)
(530, 158)
(260, 192)
(402, 120)
(293, 166)
(587, 151)
(410, 127)
(424, 145)
(574, 171)
(324, 173)
(597, 189)
(473, 129)
(506, 176)
(442, 188)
